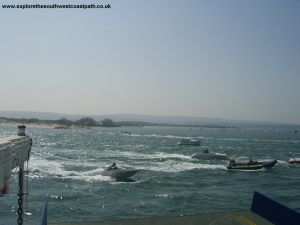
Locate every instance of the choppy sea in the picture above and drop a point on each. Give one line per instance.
(66, 167)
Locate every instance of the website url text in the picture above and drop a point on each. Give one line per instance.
(57, 6)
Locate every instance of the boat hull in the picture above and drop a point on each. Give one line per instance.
(190, 142)
(294, 161)
(253, 166)
(121, 173)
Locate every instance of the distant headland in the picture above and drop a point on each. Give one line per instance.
(87, 122)
(64, 120)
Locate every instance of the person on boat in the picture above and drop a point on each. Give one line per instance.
(112, 166)
(205, 150)
(251, 162)
(232, 162)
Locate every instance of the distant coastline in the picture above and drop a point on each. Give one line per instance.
(64, 120)
(87, 122)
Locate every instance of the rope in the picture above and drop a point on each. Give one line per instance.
(27, 192)
(21, 192)
(20, 208)
(27, 179)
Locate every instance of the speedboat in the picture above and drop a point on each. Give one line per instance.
(120, 173)
(293, 160)
(251, 165)
(124, 133)
(187, 141)
(209, 155)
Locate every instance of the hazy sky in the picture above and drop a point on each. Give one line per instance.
(226, 59)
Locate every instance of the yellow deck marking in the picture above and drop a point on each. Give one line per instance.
(246, 220)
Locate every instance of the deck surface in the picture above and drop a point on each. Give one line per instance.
(231, 218)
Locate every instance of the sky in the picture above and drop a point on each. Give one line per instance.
(221, 59)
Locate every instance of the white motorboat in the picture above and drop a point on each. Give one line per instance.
(187, 141)
(293, 160)
(209, 155)
(120, 173)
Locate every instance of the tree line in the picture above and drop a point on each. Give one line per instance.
(85, 121)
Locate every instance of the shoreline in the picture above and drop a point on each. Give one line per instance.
(35, 125)
(90, 123)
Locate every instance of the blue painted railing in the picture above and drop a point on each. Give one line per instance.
(273, 211)
(43, 218)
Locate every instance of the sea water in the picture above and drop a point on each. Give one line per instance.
(66, 167)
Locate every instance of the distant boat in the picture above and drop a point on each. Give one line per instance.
(124, 132)
(120, 173)
(293, 160)
(251, 165)
(187, 141)
(209, 155)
